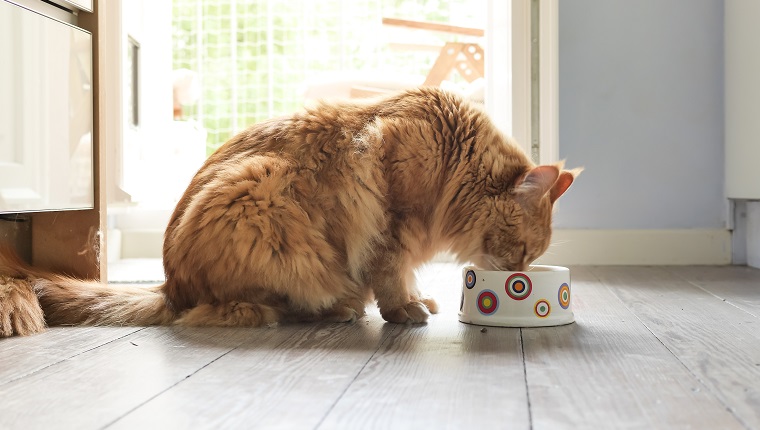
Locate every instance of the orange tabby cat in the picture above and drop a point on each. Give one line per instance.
(312, 216)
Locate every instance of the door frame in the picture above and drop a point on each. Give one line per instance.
(524, 103)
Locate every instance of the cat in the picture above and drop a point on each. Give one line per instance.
(312, 216)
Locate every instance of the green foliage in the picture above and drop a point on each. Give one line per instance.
(255, 56)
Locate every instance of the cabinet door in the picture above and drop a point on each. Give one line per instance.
(46, 116)
(742, 99)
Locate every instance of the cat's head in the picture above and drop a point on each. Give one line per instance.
(517, 226)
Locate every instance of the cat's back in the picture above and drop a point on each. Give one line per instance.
(308, 187)
(333, 126)
(330, 148)
(326, 128)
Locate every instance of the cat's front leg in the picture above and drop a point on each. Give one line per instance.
(392, 281)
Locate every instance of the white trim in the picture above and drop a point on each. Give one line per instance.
(499, 64)
(549, 81)
(521, 68)
(639, 247)
(112, 95)
(520, 109)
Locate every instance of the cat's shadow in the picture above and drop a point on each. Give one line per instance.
(366, 334)
(371, 334)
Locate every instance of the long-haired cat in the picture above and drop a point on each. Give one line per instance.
(312, 216)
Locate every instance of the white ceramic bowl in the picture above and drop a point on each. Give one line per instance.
(538, 297)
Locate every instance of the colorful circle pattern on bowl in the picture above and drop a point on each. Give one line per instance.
(542, 308)
(488, 303)
(470, 279)
(518, 286)
(563, 296)
(539, 297)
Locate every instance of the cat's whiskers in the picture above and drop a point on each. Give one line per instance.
(558, 243)
(491, 261)
(549, 252)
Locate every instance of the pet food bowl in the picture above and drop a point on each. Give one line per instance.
(537, 297)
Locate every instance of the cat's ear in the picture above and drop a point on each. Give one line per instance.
(538, 181)
(565, 179)
(541, 180)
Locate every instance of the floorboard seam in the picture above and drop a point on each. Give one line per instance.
(525, 378)
(696, 285)
(169, 387)
(351, 382)
(672, 353)
(70, 357)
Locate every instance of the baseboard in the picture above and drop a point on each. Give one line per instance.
(142, 243)
(569, 247)
(639, 247)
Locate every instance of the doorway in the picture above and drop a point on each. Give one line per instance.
(209, 68)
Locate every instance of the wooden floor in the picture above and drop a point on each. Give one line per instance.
(652, 347)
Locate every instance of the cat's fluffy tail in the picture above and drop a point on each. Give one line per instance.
(30, 299)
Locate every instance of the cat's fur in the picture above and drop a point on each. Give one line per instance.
(312, 216)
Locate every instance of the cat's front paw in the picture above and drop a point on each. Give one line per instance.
(431, 304)
(343, 314)
(412, 312)
(345, 310)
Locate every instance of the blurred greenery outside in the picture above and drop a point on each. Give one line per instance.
(279, 45)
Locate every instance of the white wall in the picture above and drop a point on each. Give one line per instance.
(641, 107)
(150, 24)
